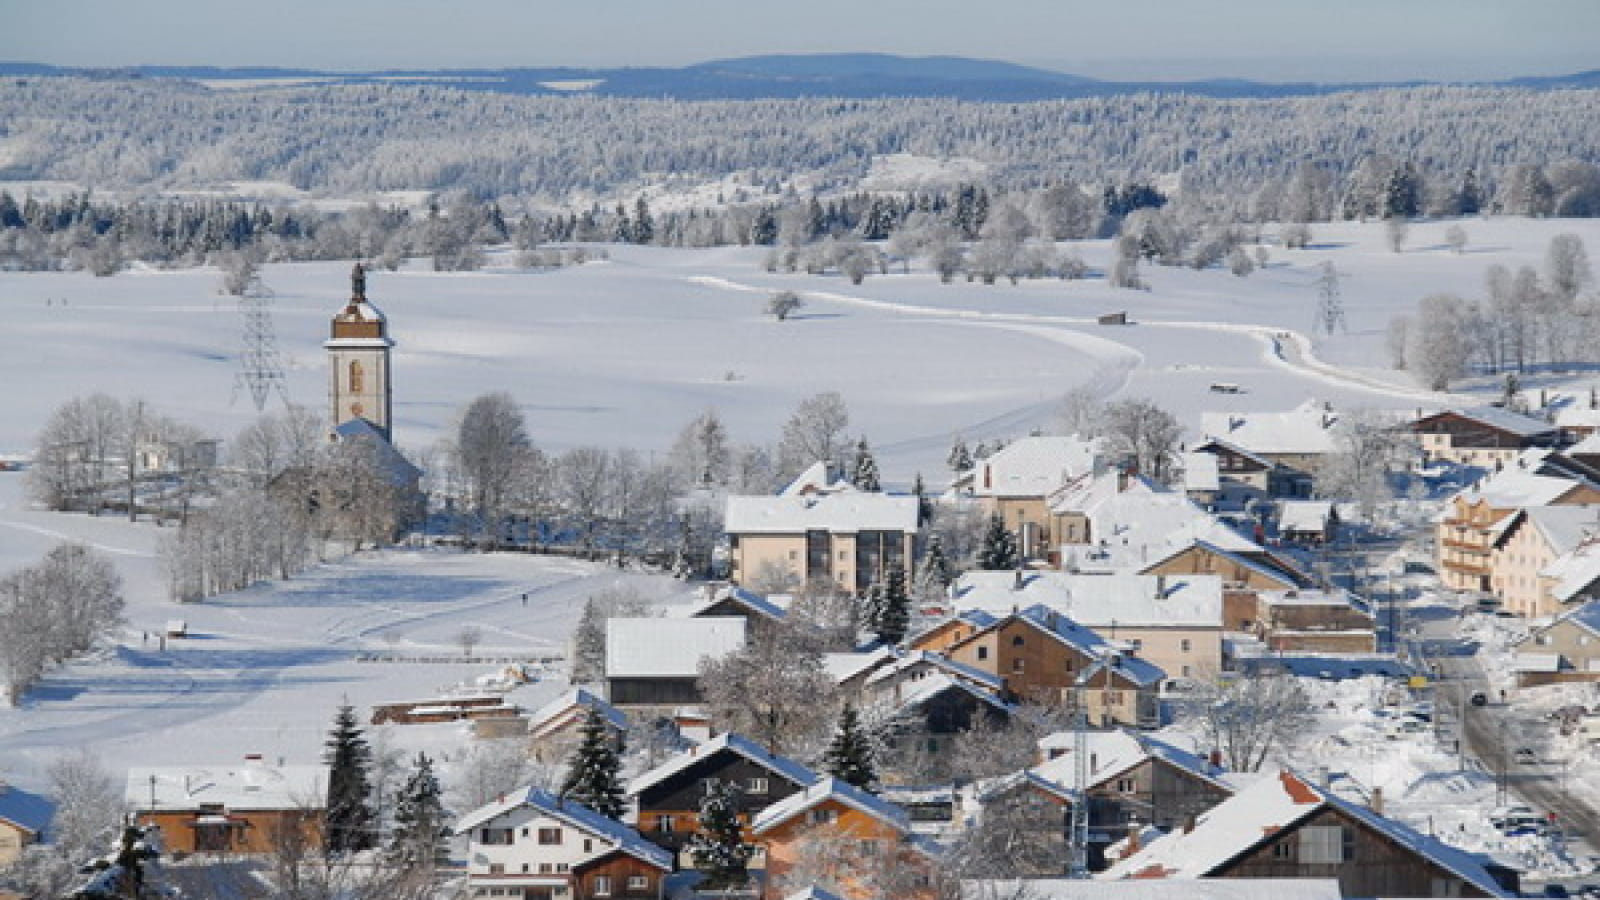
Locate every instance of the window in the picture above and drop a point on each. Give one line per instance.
(1185, 645)
(602, 885)
(588, 845)
(1017, 641)
(561, 867)
(358, 380)
(497, 868)
(638, 882)
(1326, 844)
(868, 849)
(545, 868)
(1283, 850)
(820, 816)
(1069, 667)
(666, 823)
(758, 785)
(549, 836)
(1186, 672)
(983, 652)
(496, 836)
(524, 832)
(1127, 785)
(1017, 665)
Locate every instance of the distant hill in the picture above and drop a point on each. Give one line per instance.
(846, 75)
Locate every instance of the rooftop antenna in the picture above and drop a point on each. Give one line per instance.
(260, 366)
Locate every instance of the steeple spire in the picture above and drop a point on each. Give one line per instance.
(358, 284)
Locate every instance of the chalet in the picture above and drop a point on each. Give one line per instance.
(1131, 778)
(23, 819)
(668, 796)
(1567, 649)
(1308, 522)
(1483, 436)
(1282, 826)
(1294, 442)
(930, 712)
(534, 844)
(1317, 621)
(1042, 655)
(233, 809)
(1248, 567)
(848, 539)
(850, 670)
(555, 728)
(1240, 473)
(933, 810)
(1189, 889)
(1533, 554)
(1172, 622)
(731, 600)
(903, 669)
(655, 662)
(1016, 481)
(860, 837)
(1475, 519)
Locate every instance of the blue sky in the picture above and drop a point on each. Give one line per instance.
(1265, 39)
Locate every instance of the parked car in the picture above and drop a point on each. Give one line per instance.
(1525, 756)
(1479, 698)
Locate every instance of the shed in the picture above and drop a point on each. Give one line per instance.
(1113, 318)
(177, 628)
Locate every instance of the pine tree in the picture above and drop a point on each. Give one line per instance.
(936, 569)
(420, 822)
(349, 815)
(849, 757)
(865, 472)
(959, 459)
(999, 547)
(893, 614)
(1469, 202)
(717, 847)
(589, 645)
(593, 771)
(644, 226)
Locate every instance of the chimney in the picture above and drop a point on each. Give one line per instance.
(1377, 800)
(1161, 586)
(1188, 823)
(1134, 845)
(1215, 759)
(1016, 581)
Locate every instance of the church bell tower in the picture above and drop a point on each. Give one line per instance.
(359, 354)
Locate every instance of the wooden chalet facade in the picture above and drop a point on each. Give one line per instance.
(840, 835)
(668, 796)
(251, 808)
(1484, 436)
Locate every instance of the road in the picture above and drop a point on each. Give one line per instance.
(1490, 735)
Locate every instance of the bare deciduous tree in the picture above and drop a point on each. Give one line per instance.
(784, 304)
(774, 689)
(814, 433)
(490, 446)
(1250, 716)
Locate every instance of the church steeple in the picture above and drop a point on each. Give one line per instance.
(358, 349)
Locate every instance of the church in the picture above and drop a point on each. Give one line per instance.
(361, 392)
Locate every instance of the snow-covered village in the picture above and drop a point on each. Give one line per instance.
(798, 477)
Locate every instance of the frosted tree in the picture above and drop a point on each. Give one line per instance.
(1396, 340)
(421, 825)
(491, 447)
(1438, 350)
(864, 471)
(589, 638)
(815, 432)
(999, 547)
(1330, 305)
(717, 845)
(849, 757)
(1367, 449)
(959, 459)
(594, 772)
(702, 453)
(936, 573)
(1239, 262)
(1250, 717)
(891, 614)
(1455, 237)
(1566, 266)
(1143, 433)
(784, 304)
(774, 689)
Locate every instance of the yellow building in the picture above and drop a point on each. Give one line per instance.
(845, 838)
(23, 818)
(1016, 481)
(849, 539)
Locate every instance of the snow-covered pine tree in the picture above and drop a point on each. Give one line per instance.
(864, 474)
(717, 847)
(960, 459)
(349, 815)
(421, 825)
(589, 644)
(936, 573)
(849, 757)
(893, 615)
(593, 772)
(999, 547)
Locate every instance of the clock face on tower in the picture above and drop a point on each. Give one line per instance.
(357, 409)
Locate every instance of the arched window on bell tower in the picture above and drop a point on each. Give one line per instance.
(357, 377)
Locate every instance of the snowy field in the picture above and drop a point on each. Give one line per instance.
(623, 353)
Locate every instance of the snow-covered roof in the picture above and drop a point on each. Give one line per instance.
(1521, 484)
(748, 599)
(1258, 813)
(1537, 662)
(844, 666)
(1257, 560)
(1145, 889)
(668, 648)
(619, 836)
(1314, 597)
(908, 660)
(813, 893)
(1573, 571)
(1577, 415)
(1588, 446)
(575, 701)
(732, 743)
(25, 810)
(1306, 429)
(1235, 449)
(841, 513)
(1132, 527)
(1097, 601)
(249, 784)
(1564, 527)
(912, 694)
(1304, 515)
(815, 480)
(1030, 467)
(830, 789)
(390, 461)
(1114, 752)
(1200, 472)
(1501, 419)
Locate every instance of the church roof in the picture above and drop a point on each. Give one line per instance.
(390, 461)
